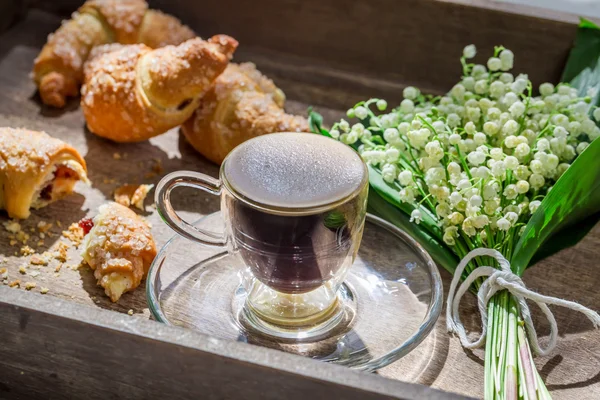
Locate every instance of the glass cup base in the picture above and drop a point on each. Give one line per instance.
(387, 304)
(271, 317)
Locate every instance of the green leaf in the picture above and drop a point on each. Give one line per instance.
(574, 197)
(315, 121)
(583, 65)
(586, 23)
(381, 207)
(567, 237)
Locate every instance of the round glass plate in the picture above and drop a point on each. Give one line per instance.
(394, 289)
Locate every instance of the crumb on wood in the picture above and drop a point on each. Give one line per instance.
(59, 224)
(74, 233)
(30, 285)
(44, 227)
(15, 283)
(44, 290)
(22, 270)
(27, 251)
(130, 312)
(117, 156)
(61, 252)
(74, 267)
(135, 195)
(38, 259)
(57, 268)
(13, 242)
(12, 226)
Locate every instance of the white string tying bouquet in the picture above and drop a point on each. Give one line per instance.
(504, 279)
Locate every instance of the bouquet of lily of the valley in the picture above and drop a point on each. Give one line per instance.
(488, 178)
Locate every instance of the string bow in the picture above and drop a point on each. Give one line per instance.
(500, 279)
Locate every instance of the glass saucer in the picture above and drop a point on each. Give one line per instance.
(393, 296)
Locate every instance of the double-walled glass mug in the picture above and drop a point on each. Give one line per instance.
(294, 207)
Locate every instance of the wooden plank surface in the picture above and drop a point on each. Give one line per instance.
(73, 353)
(573, 371)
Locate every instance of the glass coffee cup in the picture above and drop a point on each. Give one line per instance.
(294, 207)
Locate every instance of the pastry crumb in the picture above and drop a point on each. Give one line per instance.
(61, 253)
(74, 233)
(43, 227)
(22, 237)
(22, 269)
(12, 242)
(116, 156)
(44, 290)
(135, 195)
(37, 259)
(15, 283)
(12, 226)
(30, 285)
(130, 312)
(27, 251)
(57, 268)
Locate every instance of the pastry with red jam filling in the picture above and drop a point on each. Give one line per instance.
(36, 170)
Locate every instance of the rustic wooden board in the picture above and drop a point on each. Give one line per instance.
(65, 356)
(573, 371)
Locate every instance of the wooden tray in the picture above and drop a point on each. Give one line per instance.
(326, 53)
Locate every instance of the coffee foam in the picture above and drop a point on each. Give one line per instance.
(294, 170)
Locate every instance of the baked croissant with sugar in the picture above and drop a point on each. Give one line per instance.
(58, 70)
(36, 170)
(242, 104)
(119, 248)
(134, 93)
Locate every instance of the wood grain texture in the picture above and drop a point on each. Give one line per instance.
(571, 372)
(347, 45)
(80, 354)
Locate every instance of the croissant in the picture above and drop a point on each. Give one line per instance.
(241, 104)
(58, 70)
(134, 93)
(119, 248)
(35, 170)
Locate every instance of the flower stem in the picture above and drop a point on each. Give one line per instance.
(509, 369)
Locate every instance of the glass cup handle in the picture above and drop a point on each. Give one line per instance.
(169, 215)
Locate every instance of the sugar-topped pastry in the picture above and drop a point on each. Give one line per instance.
(134, 93)
(242, 104)
(58, 70)
(36, 170)
(119, 247)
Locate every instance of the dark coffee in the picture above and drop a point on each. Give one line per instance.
(287, 250)
(296, 254)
